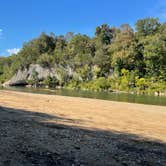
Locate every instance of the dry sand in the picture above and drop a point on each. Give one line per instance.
(136, 132)
(143, 120)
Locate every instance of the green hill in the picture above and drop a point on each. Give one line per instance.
(115, 58)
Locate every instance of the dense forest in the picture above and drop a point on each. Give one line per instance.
(120, 58)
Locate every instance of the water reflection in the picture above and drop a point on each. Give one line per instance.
(126, 97)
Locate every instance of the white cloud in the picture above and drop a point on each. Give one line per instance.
(13, 50)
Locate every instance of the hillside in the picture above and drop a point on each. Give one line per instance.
(114, 59)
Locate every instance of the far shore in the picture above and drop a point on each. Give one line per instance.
(110, 91)
(145, 121)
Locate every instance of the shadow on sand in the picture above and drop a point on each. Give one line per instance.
(27, 139)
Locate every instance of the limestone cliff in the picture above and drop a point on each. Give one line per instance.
(23, 76)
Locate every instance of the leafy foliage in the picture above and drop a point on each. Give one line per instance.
(117, 58)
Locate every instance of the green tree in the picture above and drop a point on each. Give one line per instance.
(141, 84)
(122, 49)
(45, 60)
(104, 34)
(147, 26)
(51, 82)
(35, 79)
(154, 55)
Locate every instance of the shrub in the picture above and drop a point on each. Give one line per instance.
(45, 60)
(141, 84)
(51, 82)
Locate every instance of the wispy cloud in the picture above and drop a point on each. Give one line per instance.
(13, 50)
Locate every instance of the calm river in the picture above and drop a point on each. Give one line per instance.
(125, 97)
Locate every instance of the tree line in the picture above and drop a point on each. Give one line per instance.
(116, 58)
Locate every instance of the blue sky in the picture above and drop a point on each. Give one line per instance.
(22, 20)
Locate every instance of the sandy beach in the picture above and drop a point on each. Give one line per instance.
(90, 130)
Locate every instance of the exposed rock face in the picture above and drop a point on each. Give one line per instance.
(22, 76)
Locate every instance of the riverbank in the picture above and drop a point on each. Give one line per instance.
(120, 97)
(37, 127)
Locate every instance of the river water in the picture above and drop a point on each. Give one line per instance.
(124, 97)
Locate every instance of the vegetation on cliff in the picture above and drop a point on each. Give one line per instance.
(115, 58)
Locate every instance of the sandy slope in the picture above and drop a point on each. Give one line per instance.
(144, 120)
(55, 130)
